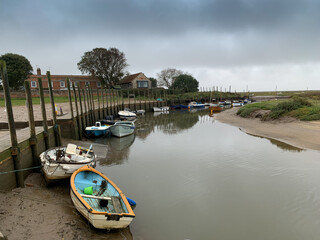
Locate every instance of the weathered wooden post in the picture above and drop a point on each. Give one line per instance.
(87, 103)
(92, 105)
(75, 126)
(83, 125)
(56, 127)
(134, 100)
(128, 98)
(77, 111)
(107, 102)
(149, 98)
(15, 150)
(114, 102)
(145, 100)
(122, 99)
(32, 127)
(86, 110)
(140, 98)
(99, 109)
(103, 107)
(44, 115)
(118, 100)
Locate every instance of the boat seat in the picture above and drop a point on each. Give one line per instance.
(71, 149)
(116, 204)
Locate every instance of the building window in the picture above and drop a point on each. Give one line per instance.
(87, 83)
(143, 84)
(99, 84)
(62, 84)
(33, 84)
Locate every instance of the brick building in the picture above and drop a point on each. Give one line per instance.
(138, 80)
(59, 82)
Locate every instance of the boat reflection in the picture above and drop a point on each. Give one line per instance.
(117, 149)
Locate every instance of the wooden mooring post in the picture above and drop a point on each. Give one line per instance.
(75, 126)
(93, 109)
(32, 127)
(56, 127)
(44, 115)
(79, 123)
(81, 109)
(15, 150)
(99, 109)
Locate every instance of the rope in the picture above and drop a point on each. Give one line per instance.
(20, 170)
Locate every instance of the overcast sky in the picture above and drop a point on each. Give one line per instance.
(259, 44)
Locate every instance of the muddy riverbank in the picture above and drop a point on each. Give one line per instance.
(40, 212)
(302, 134)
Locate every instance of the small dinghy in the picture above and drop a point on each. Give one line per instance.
(61, 162)
(127, 115)
(160, 109)
(122, 128)
(99, 200)
(98, 130)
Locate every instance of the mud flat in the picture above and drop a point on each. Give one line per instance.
(302, 134)
(40, 212)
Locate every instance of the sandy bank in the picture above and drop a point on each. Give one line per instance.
(301, 134)
(40, 212)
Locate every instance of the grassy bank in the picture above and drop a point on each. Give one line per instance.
(306, 109)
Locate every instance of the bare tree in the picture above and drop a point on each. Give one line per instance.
(167, 76)
(108, 65)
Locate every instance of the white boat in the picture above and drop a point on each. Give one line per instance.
(99, 200)
(61, 162)
(160, 109)
(122, 128)
(97, 130)
(237, 104)
(127, 115)
(196, 105)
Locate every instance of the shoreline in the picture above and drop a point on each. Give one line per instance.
(300, 134)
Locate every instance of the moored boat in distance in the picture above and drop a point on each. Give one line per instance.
(237, 104)
(197, 105)
(122, 128)
(127, 115)
(160, 109)
(97, 130)
(99, 200)
(61, 162)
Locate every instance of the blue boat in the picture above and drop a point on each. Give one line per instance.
(97, 130)
(197, 105)
(185, 106)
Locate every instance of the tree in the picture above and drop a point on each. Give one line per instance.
(167, 76)
(186, 83)
(153, 82)
(108, 65)
(18, 69)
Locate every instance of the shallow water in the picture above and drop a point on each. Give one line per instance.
(196, 178)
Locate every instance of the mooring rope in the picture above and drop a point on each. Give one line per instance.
(20, 170)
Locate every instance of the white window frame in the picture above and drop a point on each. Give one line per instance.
(62, 84)
(33, 84)
(142, 81)
(98, 84)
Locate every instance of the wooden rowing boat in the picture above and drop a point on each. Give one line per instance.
(106, 207)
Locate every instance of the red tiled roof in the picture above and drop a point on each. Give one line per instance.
(129, 78)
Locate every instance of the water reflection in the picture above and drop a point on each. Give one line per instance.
(279, 144)
(118, 149)
(170, 123)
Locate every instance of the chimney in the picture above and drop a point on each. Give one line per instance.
(38, 71)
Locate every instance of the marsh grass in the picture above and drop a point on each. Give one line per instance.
(297, 107)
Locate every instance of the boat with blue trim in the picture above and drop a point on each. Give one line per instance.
(98, 130)
(99, 200)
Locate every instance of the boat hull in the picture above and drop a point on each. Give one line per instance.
(61, 171)
(97, 220)
(119, 130)
(107, 216)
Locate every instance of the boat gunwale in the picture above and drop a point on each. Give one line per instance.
(87, 206)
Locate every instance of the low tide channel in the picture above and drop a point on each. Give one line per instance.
(196, 178)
